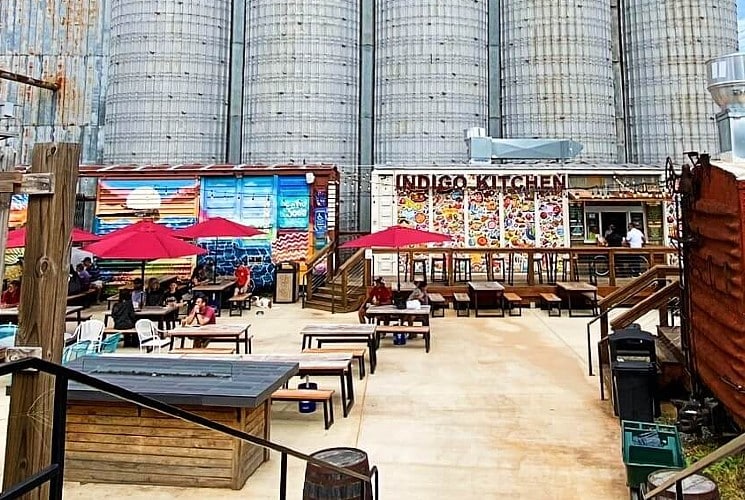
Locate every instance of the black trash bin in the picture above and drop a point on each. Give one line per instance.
(634, 390)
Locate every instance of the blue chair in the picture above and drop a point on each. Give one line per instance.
(76, 350)
(110, 343)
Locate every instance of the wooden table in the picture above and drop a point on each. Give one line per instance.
(110, 441)
(211, 333)
(343, 333)
(10, 314)
(421, 314)
(490, 288)
(165, 317)
(570, 288)
(214, 291)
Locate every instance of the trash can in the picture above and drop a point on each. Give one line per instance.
(634, 390)
(307, 406)
(285, 283)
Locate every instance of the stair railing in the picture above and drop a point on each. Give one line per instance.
(318, 269)
(350, 280)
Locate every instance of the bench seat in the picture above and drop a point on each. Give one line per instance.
(237, 303)
(438, 304)
(81, 297)
(592, 300)
(410, 330)
(513, 302)
(552, 302)
(358, 354)
(461, 303)
(199, 350)
(316, 395)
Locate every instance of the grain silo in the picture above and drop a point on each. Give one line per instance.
(666, 45)
(61, 41)
(431, 78)
(301, 81)
(558, 75)
(168, 81)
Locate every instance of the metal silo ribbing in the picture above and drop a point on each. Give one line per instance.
(431, 79)
(666, 45)
(301, 81)
(62, 41)
(168, 83)
(558, 76)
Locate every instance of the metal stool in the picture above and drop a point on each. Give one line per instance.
(462, 268)
(565, 263)
(443, 269)
(538, 264)
(419, 266)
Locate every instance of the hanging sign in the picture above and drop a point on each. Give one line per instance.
(485, 182)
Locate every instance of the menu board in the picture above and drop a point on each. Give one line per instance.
(519, 220)
(484, 221)
(413, 210)
(654, 223)
(551, 221)
(577, 222)
(448, 216)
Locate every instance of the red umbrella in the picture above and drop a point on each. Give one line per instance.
(143, 225)
(142, 241)
(396, 237)
(17, 237)
(218, 227)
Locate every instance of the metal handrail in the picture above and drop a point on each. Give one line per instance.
(54, 473)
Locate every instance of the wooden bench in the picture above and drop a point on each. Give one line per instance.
(437, 303)
(217, 350)
(410, 330)
(73, 318)
(462, 302)
(551, 301)
(238, 303)
(316, 395)
(358, 354)
(81, 297)
(512, 302)
(593, 300)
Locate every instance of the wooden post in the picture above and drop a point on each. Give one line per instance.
(42, 313)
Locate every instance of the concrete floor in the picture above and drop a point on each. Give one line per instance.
(500, 408)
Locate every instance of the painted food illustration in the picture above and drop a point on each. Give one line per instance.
(551, 221)
(413, 210)
(484, 228)
(519, 221)
(448, 216)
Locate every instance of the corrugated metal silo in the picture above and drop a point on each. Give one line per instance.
(431, 78)
(558, 74)
(666, 46)
(301, 81)
(56, 40)
(168, 81)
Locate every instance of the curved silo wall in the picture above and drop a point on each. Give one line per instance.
(301, 81)
(665, 46)
(55, 40)
(168, 81)
(431, 79)
(558, 74)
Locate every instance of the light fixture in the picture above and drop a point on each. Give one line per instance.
(310, 177)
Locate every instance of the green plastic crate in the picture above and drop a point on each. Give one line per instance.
(643, 456)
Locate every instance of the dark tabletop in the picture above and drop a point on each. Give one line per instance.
(207, 382)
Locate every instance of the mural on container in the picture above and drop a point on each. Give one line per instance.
(519, 220)
(121, 202)
(448, 216)
(551, 221)
(484, 220)
(18, 207)
(413, 209)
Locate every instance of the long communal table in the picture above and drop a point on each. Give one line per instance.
(343, 333)
(421, 315)
(201, 335)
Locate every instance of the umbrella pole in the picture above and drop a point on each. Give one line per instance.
(214, 264)
(398, 268)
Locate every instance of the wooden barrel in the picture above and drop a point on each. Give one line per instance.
(324, 484)
(695, 487)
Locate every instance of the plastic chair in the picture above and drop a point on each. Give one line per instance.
(91, 330)
(149, 336)
(75, 351)
(110, 343)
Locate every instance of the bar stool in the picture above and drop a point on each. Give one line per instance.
(419, 266)
(443, 276)
(565, 263)
(538, 265)
(462, 268)
(502, 259)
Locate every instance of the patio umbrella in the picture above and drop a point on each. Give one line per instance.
(142, 225)
(218, 227)
(142, 241)
(396, 237)
(17, 237)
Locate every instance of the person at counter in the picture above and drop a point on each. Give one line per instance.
(380, 295)
(201, 314)
(12, 296)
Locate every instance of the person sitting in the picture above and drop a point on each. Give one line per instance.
(242, 280)
(85, 278)
(123, 315)
(380, 295)
(419, 293)
(12, 296)
(201, 313)
(74, 285)
(173, 295)
(138, 294)
(96, 282)
(153, 295)
(199, 275)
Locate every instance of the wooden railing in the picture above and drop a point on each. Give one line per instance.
(318, 270)
(350, 280)
(519, 266)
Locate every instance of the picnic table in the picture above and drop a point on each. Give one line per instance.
(10, 314)
(201, 335)
(343, 333)
(482, 289)
(574, 288)
(110, 441)
(215, 291)
(421, 314)
(165, 317)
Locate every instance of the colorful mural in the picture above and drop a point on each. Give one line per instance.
(519, 220)
(551, 221)
(484, 220)
(413, 209)
(18, 207)
(448, 215)
(290, 246)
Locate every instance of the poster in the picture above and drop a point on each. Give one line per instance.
(448, 216)
(413, 210)
(519, 220)
(551, 221)
(484, 220)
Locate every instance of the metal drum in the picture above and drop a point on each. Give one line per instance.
(694, 488)
(323, 484)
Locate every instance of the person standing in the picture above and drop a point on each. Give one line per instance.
(635, 239)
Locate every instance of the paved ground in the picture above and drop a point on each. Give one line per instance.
(500, 408)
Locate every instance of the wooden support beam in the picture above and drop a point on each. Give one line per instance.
(28, 80)
(42, 313)
(20, 183)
